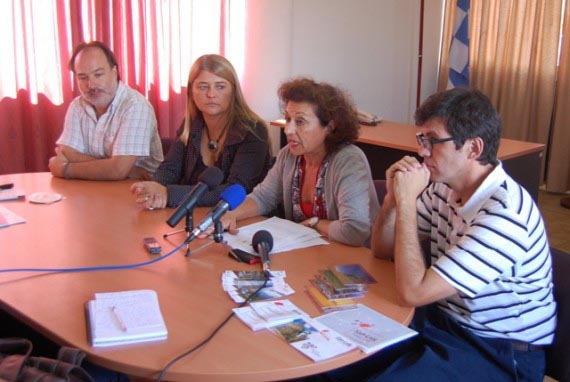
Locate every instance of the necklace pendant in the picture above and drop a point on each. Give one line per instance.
(212, 145)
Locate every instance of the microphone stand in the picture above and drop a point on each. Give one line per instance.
(218, 232)
(218, 237)
(188, 228)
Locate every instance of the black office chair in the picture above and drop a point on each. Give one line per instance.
(558, 354)
(166, 144)
(380, 186)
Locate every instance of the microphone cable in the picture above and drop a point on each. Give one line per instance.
(94, 268)
(214, 332)
(137, 265)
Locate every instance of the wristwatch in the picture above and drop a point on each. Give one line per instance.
(313, 222)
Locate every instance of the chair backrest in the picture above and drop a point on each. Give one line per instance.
(558, 354)
(166, 144)
(380, 186)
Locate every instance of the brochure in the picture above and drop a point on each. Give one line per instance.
(240, 285)
(264, 314)
(313, 339)
(367, 328)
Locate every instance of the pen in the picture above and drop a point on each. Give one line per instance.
(6, 186)
(119, 319)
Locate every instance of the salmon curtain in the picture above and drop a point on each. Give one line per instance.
(155, 43)
(558, 170)
(513, 52)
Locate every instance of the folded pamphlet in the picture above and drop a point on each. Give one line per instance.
(264, 314)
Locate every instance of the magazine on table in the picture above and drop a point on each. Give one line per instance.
(367, 328)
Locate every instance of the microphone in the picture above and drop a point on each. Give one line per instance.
(208, 179)
(231, 198)
(262, 243)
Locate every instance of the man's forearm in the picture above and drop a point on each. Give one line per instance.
(410, 266)
(115, 168)
(75, 156)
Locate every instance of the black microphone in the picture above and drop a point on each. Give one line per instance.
(262, 243)
(231, 198)
(208, 179)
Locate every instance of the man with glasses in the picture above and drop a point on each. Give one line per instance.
(484, 292)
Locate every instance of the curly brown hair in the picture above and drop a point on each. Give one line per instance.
(330, 104)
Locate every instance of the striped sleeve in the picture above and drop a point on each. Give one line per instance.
(490, 246)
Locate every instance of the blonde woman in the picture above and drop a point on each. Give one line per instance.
(219, 130)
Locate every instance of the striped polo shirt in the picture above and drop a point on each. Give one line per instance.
(494, 251)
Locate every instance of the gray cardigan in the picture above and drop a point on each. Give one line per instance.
(350, 196)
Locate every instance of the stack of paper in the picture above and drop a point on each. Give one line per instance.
(125, 317)
(240, 285)
(287, 235)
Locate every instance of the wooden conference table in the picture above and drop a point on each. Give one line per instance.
(389, 141)
(98, 223)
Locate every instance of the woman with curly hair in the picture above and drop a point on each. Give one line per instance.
(320, 178)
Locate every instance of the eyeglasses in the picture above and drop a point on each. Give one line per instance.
(428, 143)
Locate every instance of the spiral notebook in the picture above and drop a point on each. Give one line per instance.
(127, 317)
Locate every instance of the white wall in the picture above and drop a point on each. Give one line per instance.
(367, 47)
(433, 20)
(268, 57)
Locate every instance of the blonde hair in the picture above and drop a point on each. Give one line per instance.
(239, 112)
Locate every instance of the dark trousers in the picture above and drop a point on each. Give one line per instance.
(444, 351)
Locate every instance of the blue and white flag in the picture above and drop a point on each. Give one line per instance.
(459, 51)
